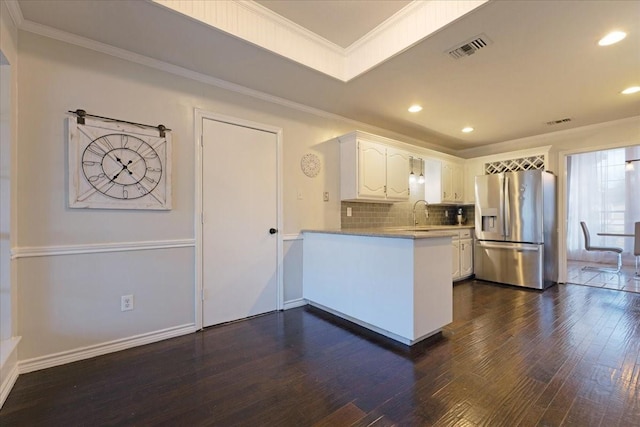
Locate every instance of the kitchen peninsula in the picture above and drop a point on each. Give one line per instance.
(394, 282)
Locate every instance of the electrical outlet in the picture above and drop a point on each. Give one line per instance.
(126, 302)
(349, 212)
(325, 196)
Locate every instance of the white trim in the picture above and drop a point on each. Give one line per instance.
(106, 49)
(38, 251)
(562, 198)
(88, 352)
(291, 26)
(295, 303)
(15, 12)
(8, 383)
(200, 115)
(289, 237)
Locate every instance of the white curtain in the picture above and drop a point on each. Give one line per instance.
(604, 193)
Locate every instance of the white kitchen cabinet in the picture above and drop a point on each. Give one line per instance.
(466, 257)
(462, 255)
(372, 171)
(398, 165)
(455, 259)
(444, 182)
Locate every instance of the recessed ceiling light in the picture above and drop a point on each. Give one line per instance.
(612, 37)
(467, 129)
(630, 90)
(415, 108)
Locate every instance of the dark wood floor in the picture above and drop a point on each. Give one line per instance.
(568, 356)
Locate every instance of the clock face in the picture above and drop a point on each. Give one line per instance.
(121, 166)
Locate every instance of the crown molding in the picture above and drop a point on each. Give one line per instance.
(126, 55)
(292, 26)
(255, 24)
(15, 12)
(259, 25)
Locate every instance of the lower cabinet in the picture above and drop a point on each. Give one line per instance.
(462, 255)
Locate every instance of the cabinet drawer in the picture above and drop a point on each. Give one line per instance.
(465, 234)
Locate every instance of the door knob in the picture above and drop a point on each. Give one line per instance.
(272, 231)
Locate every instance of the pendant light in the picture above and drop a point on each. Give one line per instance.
(412, 176)
(421, 177)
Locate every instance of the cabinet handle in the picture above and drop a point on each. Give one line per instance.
(385, 189)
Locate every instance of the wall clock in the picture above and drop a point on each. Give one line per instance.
(310, 164)
(118, 166)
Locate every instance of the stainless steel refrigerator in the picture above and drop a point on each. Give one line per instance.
(516, 229)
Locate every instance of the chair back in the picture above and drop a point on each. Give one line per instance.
(636, 248)
(587, 239)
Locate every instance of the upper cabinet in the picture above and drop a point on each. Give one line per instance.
(372, 171)
(444, 182)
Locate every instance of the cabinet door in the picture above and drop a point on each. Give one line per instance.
(398, 169)
(447, 182)
(457, 183)
(466, 257)
(372, 171)
(455, 259)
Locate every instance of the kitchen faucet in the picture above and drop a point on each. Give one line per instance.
(426, 210)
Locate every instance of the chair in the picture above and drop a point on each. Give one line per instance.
(588, 247)
(636, 249)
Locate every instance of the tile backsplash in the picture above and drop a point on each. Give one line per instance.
(368, 215)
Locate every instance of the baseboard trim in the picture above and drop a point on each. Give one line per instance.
(294, 303)
(57, 359)
(7, 384)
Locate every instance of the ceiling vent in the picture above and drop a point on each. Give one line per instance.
(557, 122)
(469, 47)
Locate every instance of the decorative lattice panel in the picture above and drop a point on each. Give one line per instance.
(514, 165)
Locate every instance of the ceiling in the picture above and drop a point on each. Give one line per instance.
(543, 63)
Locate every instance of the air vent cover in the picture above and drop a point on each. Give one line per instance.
(560, 121)
(470, 46)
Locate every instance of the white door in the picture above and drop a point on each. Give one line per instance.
(239, 204)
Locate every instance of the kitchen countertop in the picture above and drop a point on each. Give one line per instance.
(396, 232)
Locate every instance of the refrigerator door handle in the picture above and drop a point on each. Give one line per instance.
(520, 248)
(506, 207)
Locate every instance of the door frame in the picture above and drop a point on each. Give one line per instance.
(200, 116)
(563, 200)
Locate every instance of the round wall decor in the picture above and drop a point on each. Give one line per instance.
(310, 164)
